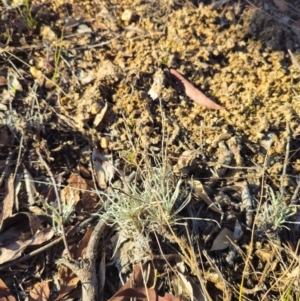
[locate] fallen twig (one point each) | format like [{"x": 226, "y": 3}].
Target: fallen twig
[
  {"x": 286, "y": 159},
  {"x": 45, "y": 247},
  {"x": 85, "y": 269}
]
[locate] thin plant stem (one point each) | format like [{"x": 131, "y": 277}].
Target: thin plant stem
[
  {"x": 286, "y": 159},
  {"x": 250, "y": 249},
  {"x": 58, "y": 202}
]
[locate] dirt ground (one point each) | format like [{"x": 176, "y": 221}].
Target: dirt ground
[{"x": 90, "y": 107}]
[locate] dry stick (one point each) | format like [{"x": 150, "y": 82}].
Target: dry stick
[
  {"x": 253, "y": 226},
  {"x": 96, "y": 45},
  {"x": 294, "y": 199},
  {"x": 58, "y": 202},
  {"x": 286, "y": 159},
  {"x": 294, "y": 59},
  {"x": 7, "y": 167},
  {"x": 86, "y": 269},
  {"x": 256, "y": 8},
  {"x": 45, "y": 247}
]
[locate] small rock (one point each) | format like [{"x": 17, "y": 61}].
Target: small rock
[{"x": 128, "y": 15}]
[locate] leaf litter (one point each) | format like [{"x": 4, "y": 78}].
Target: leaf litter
[{"x": 85, "y": 88}]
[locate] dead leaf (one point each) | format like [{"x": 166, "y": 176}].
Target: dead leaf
[
  {"x": 200, "y": 191},
  {"x": 15, "y": 249},
  {"x": 223, "y": 240},
  {"x": 135, "y": 286},
  {"x": 33, "y": 221},
  {"x": 282, "y": 5},
  {"x": 194, "y": 93},
  {"x": 79, "y": 189},
  {"x": 142, "y": 293},
  {"x": 5, "y": 293},
  {"x": 3, "y": 81},
  {"x": 184, "y": 285},
  {"x": 4, "y": 136},
  {"x": 79, "y": 249},
  {"x": 17, "y": 226},
  {"x": 197, "y": 290},
  {"x": 67, "y": 280},
  {"x": 100, "y": 115},
  {"x": 8, "y": 201},
  {"x": 104, "y": 168},
  {"x": 15, "y": 83},
  {"x": 40, "y": 291}
]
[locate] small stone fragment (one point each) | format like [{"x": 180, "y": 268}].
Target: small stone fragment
[{"x": 128, "y": 15}]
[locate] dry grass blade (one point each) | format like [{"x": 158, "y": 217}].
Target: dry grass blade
[{"x": 192, "y": 92}]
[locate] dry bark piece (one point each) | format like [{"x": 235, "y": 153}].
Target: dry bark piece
[
  {"x": 8, "y": 201},
  {"x": 30, "y": 186},
  {"x": 68, "y": 280},
  {"x": 104, "y": 168},
  {"x": 247, "y": 204},
  {"x": 193, "y": 93},
  {"x": 235, "y": 146},
  {"x": 187, "y": 162},
  {"x": 224, "y": 158}
]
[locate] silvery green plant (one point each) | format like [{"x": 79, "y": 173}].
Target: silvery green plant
[
  {"x": 149, "y": 202},
  {"x": 275, "y": 212}
]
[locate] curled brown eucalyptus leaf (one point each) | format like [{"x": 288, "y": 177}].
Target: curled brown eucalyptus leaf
[{"x": 193, "y": 93}]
